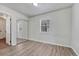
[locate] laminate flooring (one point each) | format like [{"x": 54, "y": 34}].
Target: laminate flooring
[{"x": 33, "y": 48}]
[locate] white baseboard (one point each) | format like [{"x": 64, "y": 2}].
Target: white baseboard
[
  {"x": 50, "y": 43},
  {"x": 22, "y": 38},
  {"x": 75, "y": 51}
]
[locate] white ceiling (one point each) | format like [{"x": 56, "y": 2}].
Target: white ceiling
[{"x": 30, "y": 10}]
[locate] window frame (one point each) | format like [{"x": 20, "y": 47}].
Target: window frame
[{"x": 44, "y": 25}]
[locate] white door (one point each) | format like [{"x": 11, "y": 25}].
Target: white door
[
  {"x": 8, "y": 30},
  {"x": 22, "y": 29}
]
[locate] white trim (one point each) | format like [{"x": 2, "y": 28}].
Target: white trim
[
  {"x": 22, "y": 38},
  {"x": 43, "y": 25},
  {"x": 75, "y": 51},
  {"x": 50, "y": 43}
]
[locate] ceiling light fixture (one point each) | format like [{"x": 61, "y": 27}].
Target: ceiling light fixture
[{"x": 35, "y": 4}]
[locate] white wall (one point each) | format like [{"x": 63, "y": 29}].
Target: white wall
[
  {"x": 75, "y": 28},
  {"x": 14, "y": 16},
  {"x": 60, "y": 28}
]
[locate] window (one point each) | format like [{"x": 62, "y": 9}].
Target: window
[{"x": 44, "y": 25}]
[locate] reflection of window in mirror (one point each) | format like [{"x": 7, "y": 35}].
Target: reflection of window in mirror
[{"x": 44, "y": 25}]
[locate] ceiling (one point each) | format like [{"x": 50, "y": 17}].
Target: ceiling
[{"x": 29, "y": 9}]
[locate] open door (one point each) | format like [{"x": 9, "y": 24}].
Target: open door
[{"x": 8, "y": 31}]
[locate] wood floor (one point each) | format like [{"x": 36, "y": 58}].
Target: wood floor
[
  {"x": 32, "y": 48},
  {"x": 3, "y": 43}
]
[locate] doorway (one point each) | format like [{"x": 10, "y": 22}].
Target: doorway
[
  {"x": 2, "y": 33},
  {"x": 21, "y": 26}
]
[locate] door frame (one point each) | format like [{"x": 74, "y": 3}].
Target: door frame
[
  {"x": 27, "y": 26},
  {"x": 8, "y": 31}
]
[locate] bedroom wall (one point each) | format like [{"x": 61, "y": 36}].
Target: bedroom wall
[{"x": 59, "y": 31}]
